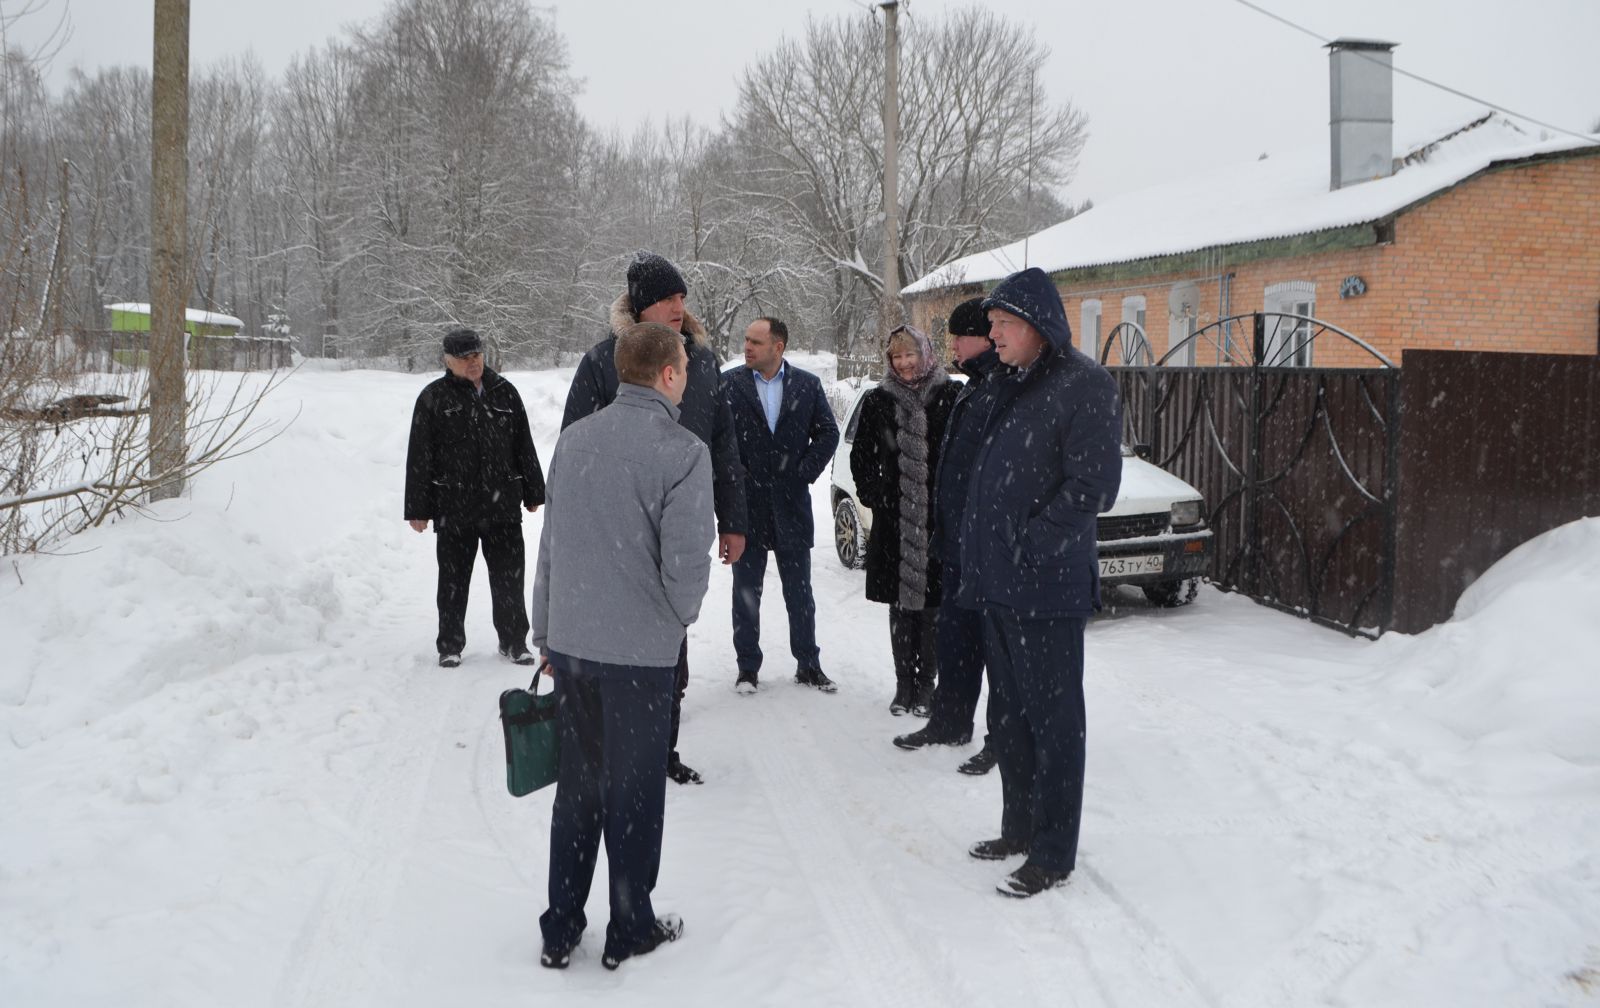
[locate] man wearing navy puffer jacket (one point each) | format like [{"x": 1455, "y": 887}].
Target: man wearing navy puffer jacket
[{"x": 1049, "y": 461}]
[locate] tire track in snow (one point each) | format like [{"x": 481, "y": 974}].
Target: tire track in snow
[
  {"x": 330, "y": 961},
  {"x": 1094, "y": 919},
  {"x": 864, "y": 929}
]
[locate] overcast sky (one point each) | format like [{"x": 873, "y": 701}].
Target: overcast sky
[{"x": 1165, "y": 83}]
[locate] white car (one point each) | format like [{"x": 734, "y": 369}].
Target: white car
[{"x": 1154, "y": 537}]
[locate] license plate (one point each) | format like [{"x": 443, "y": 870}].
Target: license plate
[{"x": 1126, "y": 566}]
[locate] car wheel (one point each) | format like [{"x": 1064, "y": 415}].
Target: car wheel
[
  {"x": 1171, "y": 594},
  {"x": 848, "y": 541}
]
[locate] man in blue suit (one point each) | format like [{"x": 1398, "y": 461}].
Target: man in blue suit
[
  {"x": 787, "y": 435},
  {"x": 1049, "y": 459}
]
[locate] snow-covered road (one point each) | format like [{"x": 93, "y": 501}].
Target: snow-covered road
[{"x": 234, "y": 776}]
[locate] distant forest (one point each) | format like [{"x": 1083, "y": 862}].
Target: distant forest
[{"x": 430, "y": 168}]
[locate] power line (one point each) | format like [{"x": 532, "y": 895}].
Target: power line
[{"x": 1424, "y": 80}]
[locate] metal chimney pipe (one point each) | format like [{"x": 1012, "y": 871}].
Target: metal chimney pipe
[{"x": 1361, "y": 110}]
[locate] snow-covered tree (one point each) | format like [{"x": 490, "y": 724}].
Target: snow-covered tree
[{"x": 981, "y": 145}]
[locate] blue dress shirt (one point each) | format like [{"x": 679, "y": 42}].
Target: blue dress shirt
[{"x": 771, "y": 395}]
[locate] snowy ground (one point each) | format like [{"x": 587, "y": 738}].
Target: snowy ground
[{"x": 234, "y": 776}]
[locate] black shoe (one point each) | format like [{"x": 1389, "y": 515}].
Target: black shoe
[
  {"x": 901, "y": 703},
  {"x": 518, "y": 654},
  {"x": 996, "y": 850},
  {"x": 980, "y": 763},
  {"x": 921, "y": 698},
  {"x": 1031, "y": 880},
  {"x": 449, "y": 661},
  {"x": 557, "y": 956},
  {"x": 814, "y": 677},
  {"x": 746, "y": 684},
  {"x": 927, "y": 736},
  {"x": 680, "y": 774},
  {"x": 669, "y": 928}
]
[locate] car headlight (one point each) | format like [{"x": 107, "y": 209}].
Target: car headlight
[{"x": 1186, "y": 513}]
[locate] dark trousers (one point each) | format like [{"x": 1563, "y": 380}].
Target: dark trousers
[
  {"x": 960, "y": 637},
  {"x": 1036, "y": 725},
  {"x": 914, "y": 643},
  {"x": 680, "y": 684},
  {"x": 457, "y": 549},
  {"x": 614, "y": 721},
  {"x": 794, "y": 570}
]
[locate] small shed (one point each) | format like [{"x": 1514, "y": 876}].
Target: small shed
[
  {"x": 133, "y": 316},
  {"x": 213, "y": 341}
]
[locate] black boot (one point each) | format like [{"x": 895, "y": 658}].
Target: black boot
[
  {"x": 929, "y": 736},
  {"x": 921, "y": 698},
  {"x": 901, "y": 703},
  {"x": 1031, "y": 880},
  {"x": 557, "y": 956},
  {"x": 680, "y": 774},
  {"x": 980, "y": 763},
  {"x": 669, "y": 928}
]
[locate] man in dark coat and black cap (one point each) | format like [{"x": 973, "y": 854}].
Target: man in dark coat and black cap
[
  {"x": 470, "y": 469},
  {"x": 960, "y": 630},
  {"x": 656, "y": 293},
  {"x": 1049, "y": 460}
]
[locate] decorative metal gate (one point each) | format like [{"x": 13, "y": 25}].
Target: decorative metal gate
[{"x": 1299, "y": 466}]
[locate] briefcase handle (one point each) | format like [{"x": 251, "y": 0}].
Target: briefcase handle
[{"x": 533, "y": 687}]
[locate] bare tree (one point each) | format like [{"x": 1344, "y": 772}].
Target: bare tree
[
  {"x": 976, "y": 133},
  {"x": 313, "y": 127},
  {"x": 105, "y": 135}
]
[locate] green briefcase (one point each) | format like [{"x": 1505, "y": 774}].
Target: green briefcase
[{"x": 533, "y": 743}]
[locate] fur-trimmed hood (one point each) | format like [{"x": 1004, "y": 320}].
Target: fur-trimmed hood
[{"x": 623, "y": 315}]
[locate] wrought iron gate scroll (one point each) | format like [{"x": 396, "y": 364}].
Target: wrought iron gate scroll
[{"x": 1299, "y": 466}]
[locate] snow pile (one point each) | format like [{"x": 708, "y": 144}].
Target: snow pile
[
  {"x": 1516, "y": 672},
  {"x": 234, "y": 776}
]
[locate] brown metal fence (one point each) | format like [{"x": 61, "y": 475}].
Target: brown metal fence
[
  {"x": 1495, "y": 449},
  {"x": 1297, "y": 470},
  {"x": 1369, "y": 499}
]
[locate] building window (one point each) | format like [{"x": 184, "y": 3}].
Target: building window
[
  {"x": 1133, "y": 310},
  {"x": 1288, "y": 341},
  {"x": 1089, "y": 329}
]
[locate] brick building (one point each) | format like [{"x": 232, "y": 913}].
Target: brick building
[{"x": 1482, "y": 237}]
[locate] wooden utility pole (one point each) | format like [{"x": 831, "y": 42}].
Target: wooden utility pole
[
  {"x": 889, "y": 307},
  {"x": 169, "y": 226}
]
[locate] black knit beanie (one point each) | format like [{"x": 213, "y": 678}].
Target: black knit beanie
[
  {"x": 969, "y": 319},
  {"x": 651, "y": 279}
]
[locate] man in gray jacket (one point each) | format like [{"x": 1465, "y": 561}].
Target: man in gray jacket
[{"x": 627, "y": 539}]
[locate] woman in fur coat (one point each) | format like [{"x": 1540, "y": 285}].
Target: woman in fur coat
[{"x": 893, "y": 461}]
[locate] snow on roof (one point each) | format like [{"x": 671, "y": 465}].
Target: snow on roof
[
  {"x": 1276, "y": 197},
  {"x": 194, "y": 315}
]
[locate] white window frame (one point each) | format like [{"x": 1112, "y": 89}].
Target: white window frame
[
  {"x": 1089, "y": 327},
  {"x": 1134, "y": 310},
  {"x": 1292, "y": 297}
]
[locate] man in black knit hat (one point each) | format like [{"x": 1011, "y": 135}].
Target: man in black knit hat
[
  {"x": 656, "y": 293},
  {"x": 469, "y": 466}
]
